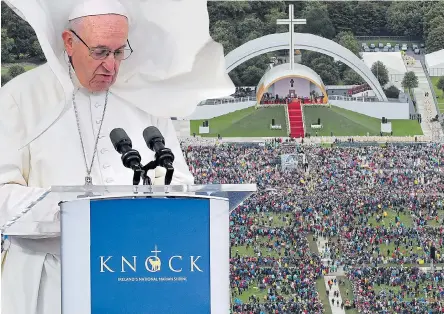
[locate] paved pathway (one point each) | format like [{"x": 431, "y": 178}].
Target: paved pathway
[
  {"x": 322, "y": 243},
  {"x": 326, "y": 260},
  {"x": 337, "y": 301},
  {"x": 425, "y": 104}
]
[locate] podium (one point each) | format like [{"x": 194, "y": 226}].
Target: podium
[{"x": 139, "y": 249}]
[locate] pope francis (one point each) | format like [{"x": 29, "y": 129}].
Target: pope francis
[{"x": 110, "y": 64}]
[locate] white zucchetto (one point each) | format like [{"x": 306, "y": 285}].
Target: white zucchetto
[{"x": 97, "y": 7}]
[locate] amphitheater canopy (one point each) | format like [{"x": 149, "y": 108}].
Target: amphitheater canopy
[{"x": 283, "y": 71}]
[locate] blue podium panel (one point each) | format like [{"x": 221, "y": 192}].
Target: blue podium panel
[{"x": 146, "y": 255}]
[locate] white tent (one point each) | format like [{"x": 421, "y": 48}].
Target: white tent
[
  {"x": 393, "y": 62},
  {"x": 435, "y": 63}
]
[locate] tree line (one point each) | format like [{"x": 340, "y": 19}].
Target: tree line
[{"x": 233, "y": 23}]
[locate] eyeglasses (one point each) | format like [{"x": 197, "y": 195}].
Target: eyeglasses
[{"x": 101, "y": 53}]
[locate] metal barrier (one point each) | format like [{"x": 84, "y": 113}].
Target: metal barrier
[
  {"x": 361, "y": 99},
  {"x": 355, "y": 144},
  {"x": 210, "y": 102},
  {"x": 389, "y": 38}
]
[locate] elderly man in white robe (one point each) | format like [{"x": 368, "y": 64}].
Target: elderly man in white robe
[{"x": 55, "y": 123}]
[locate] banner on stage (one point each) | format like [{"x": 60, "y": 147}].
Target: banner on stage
[{"x": 289, "y": 161}]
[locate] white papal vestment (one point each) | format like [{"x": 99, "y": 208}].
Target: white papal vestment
[{"x": 31, "y": 270}]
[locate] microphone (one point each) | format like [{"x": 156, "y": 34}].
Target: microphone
[
  {"x": 123, "y": 145},
  {"x": 164, "y": 156}
]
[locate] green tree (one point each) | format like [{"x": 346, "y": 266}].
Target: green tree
[
  {"x": 318, "y": 21},
  {"x": 234, "y": 76},
  {"x": 380, "y": 71},
  {"x": 227, "y": 10},
  {"x": 327, "y": 69},
  {"x": 342, "y": 15},
  {"x": 251, "y": 28},
  {"x": 435, "y": 39},
  {"x": 5, "y": 79},
  {"x": 392, "y": 92},
  {"x": 410, "y": 80},
  {"x": 7, "y": 46},
  {"x": 16, "y": 70},
  {"x": 252, "y": 75},
  {"x": 308, "y": 57},
  {"x": 350, "y": 77},
  {"x": 348, "y": 40},
  {"x": 370, "y": 18},
  {"x": 274, "y": 14},
  {"x": 20, "y": 30},
  {"x": 437, "y": 22},
  {"x": 434, "y": 10},
  {"x": 405, "y": 18},
  {"x": 224, "y": 33},
  {"x": 440, "y": 84},
  {"x": 256, "y": 67},
  {"x": 37, "y": 52}
]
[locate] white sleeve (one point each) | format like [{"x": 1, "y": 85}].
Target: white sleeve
[
  {"x": 182, "y": 174},
  {"x": 14, "y": 163}
]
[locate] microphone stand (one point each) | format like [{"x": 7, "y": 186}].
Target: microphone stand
[
  {"x": 141, "y": 173},
  {"x": 164, "y": 158},
  {"x": 153, "y": 165}
]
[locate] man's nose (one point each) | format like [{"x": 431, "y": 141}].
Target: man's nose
[{"x": 109, "y": 63}]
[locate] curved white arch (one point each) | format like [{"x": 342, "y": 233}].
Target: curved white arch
[{"x": 303, "y": 41}]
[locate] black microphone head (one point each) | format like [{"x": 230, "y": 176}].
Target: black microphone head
[
  {"x": 119, "y": 138},
  {"x": 151, "y": 135}
]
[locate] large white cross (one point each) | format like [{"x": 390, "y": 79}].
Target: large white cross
[{"x": 291, "y": 22}]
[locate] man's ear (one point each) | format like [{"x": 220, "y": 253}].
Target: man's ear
[{"x": 68, "y": 41}]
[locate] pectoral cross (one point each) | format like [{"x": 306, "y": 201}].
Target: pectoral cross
[{"x": 88, "y": 180}]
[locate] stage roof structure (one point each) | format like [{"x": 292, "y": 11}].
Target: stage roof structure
[{"x": 283, "y": 71}]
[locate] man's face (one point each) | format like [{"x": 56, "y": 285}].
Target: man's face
[{"x": 101, "y": 31}]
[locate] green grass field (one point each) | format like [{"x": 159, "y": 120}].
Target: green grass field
[
  {"x": 249, "y": 122},
  {"x": 434, "y": 223},
  {"x": 252, "y": 122},
  {"x": 344, "y": 122},
  {"x": 404, "y": 218},
  {"x": 26, "y": 66},
  {"x": 322, "y": 290},
  {"x": 439, "y": 93},
  {"x": 343, "y": 289},
  {"x": 397, "y": 290},
  {"x": 253, "y": 291},
  {"x": 276, "y": 222}
]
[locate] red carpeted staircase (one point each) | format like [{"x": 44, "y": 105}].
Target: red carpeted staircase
[{"x": 295, "y": 117}]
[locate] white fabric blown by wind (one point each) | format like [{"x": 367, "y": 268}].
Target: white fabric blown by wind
[{"x": 174, "y": 66}]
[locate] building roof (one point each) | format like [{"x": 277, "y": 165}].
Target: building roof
[
  {"x": 435, "y": 59},
  {"x": 392, "y": 60},
  {"x": 282, "y": 71}
]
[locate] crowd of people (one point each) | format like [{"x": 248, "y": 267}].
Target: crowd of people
[
  {"x": 398, "y": 289},
  {"x": 269, "y": 98},
  {"x": 378, "y": 206}
]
